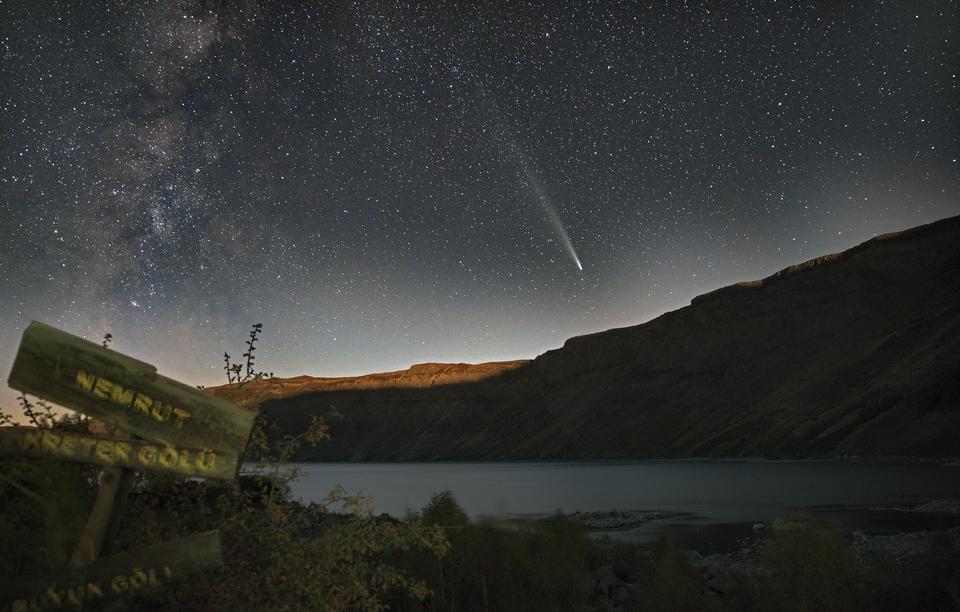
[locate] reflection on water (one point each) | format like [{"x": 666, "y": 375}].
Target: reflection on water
[{"x": 714, "y": 491}]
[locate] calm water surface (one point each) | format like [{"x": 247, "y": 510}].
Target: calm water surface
[{"x": 712, "y": 491}]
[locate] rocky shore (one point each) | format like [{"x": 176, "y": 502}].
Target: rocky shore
[
  {"x": 724, "y": 576},
  {"x": 619, "y": 519}
]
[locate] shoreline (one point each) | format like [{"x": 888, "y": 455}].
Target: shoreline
[{"x": 697, "y": 533}]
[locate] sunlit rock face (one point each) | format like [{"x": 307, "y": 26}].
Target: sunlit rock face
[
  {"x": 856, "y": 353},
  {"x": 418, "y": 376}
]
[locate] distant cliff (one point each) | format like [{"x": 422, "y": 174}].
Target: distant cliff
[{"x": 856, "y": 353}]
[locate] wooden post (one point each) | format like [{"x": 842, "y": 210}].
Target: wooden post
[
  {"x": 104, "y": 520},
  {"x": 172, "y": 428},
  {"x": 91, "y": 541},
  {"x": 115, "y": 577},
  {"x": 126, "y": 393},
  {"x": 121, "y": 501}
]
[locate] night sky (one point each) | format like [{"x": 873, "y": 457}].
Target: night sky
[{"x": 382, "y": 184}]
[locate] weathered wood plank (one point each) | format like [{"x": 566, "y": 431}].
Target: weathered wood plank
[
  {"x": 115, "y": 576},
  {"x": 125, "y": 392},
  {"x": 94, "y": 532},
  {"x": 135, "y": 454}
]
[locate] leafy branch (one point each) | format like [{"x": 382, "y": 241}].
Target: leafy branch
[
  {"x": 244, "y": 372},
  {"x": 40, "y": 414},
  {"x": 269, "y": 447}
]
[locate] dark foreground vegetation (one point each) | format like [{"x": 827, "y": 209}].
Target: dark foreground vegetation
[
  {"x": 338, "y": 555},
  {"x": 800, "y": 564},
  {"x": 283, "y": 555}
]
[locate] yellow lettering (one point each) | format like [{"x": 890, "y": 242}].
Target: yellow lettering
[
  {"x": 102, "y": 388},
  {"x": 206, "y": 460},
  {"x": 55, "y": 597},
  {"x": 180, "y": 414},
  {"x": 85, "y": 381},
  {"x": 138, "y": 579},
  {"x": 30, "y": 439},
  {"x": 87, "y": 444},
  {"x": 168, "y": 457},
  {"x": 69, "y": 445},
  {"x": 119, "y": 584},
  {"x": 50, "y": 442},
  {"x": 147, "y": 455},
  {"x": 104, "y": 450},
  {"x": 121, "y": 450},
  {"x": 119, "y": 395},
  {"x": 94, "y": 590},
  {"x": 142, "y": 403},
  {"x": 184, "y": 460},
  {"x": 160, "y": 411},
  {"x": 73, "y": 596}
]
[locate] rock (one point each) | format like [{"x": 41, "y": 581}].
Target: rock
[
  {"x": 607, "y": 585},
  {"x": 715, "y": 584},
  {"x": 618, "y": 519},
  {"x": 940, "y": 506},
  {"x": 723, "y": 573},
  {"x": 619, "y": 593},
  {"x": 953, "y": 534},
  {"x": 759, "y": 526},
  {"x": 781, "y": 524},
  {"x": 902, "y": 548},
  {"x": 605, "y": 571},
  {"x": 587, "y": 584}
]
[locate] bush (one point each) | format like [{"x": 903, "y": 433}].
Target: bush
[
  {"x": 812, "y": 566},
  {"x": 535, "y": 567},
  {"x": 444, "y": 511},
  {"x": 674, "y": 583}
]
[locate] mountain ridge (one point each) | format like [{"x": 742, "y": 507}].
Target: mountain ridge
[{"x": 853, "y": 353}]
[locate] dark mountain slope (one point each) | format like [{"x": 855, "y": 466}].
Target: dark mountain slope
[{"x": 856, "y": 353}]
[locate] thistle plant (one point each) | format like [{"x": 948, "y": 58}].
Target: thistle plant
[{"x": 244, "y": 372}]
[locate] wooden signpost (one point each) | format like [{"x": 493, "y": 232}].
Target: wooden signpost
[
  {"x": 133, "y": 454},
  {"x": 175, "y": 429},
  {"x": 125, "y": 393},
  {"x": 115, "y": 576}
]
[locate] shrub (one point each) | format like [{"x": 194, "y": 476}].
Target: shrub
[
  {"x": 674, "y": 583},
  {"x": 812, "y": 566}
]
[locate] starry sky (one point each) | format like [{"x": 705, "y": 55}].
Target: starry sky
[{"x": 387, "y": 183}]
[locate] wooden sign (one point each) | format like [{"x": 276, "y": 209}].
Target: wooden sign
[
  {"x": 123, "y": 574},
  {"x": 127, "y": 394},
  {"x": 134, "y": 454}
]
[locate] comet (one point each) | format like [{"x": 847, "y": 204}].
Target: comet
[{"x": 543, "y": 198}]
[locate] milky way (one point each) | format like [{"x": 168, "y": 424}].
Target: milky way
[{"x": 172, "y": 172}]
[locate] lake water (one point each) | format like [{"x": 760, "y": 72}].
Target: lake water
[{"x": 710, "y": 491}]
